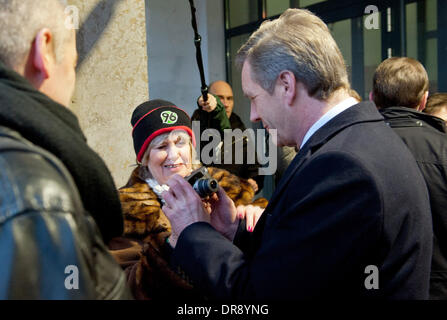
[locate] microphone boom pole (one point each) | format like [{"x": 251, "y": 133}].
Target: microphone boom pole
[{"x": 197, "y": 42}]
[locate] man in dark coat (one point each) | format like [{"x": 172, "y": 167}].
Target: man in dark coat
[
  {"x": 58, "y": 202},
  {"x": 345, "y": 221},
  {"x": 400, "y": 91}
]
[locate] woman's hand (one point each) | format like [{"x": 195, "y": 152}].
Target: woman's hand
[
  {"x": 253, "y": 184},
  {"x": 251, "y": 214}
]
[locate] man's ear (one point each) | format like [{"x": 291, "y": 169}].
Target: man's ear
[
  {"x": 287, "y": 83},
  {"x": 371, "y": 96},
  {"x": 423, "y": 102},
  {"x": 42, "y": 53}
]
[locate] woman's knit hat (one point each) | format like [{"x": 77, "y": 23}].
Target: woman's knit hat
[{"x": 155, "y": 117}]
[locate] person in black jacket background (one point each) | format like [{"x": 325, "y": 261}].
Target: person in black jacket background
[{"x": 400, "y": 91}]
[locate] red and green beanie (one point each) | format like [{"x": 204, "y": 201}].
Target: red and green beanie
[{"x": 155, "y": 117}]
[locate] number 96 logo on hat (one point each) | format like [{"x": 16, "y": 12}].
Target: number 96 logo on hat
[{"x": 169, "y": 117}]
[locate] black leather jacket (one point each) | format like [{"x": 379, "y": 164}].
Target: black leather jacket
[{"x": 50, "y": 247}]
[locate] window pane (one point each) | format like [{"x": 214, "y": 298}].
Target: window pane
[
  {"x": 241, "y": 103},
  {"x": 341, "y": 31},
  {"x": 431, "y": 15},
  {"x": 372, "y": 48},
  {"x": 431, "y": 63},
  {"x": 275, "y": 7},
  {"x": 305, "y": 3},
  {"x": 422, "y": 43},
  {"x": 412, "y": 30},
  {"x": 242, "y": 12}
]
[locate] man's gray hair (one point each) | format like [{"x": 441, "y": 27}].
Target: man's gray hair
[
  {"x": 21, "y": 20},
  {"x": 300, "y": 42}
]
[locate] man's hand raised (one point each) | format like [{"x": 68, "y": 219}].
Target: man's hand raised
[{"x": 209, "y": 105}]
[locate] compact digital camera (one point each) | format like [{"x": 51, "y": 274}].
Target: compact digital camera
[{"x": 202, "y": 182}]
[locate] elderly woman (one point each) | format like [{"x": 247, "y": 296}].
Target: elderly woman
[{"x": 164, "y": 145}]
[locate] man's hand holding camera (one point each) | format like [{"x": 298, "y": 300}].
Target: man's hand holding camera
[
  {"x": 184, "y": 207},
  {"x": 223, "y": 215}
]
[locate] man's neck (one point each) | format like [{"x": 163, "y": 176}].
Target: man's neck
[
  {"x": 315, "y": 109},
  {"x": 338, "y": 97}
]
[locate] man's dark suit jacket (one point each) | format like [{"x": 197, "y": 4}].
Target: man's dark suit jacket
[{"x": 353, "y": 197}]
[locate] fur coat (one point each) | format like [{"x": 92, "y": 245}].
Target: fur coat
[{"x": 143, "y": 252}]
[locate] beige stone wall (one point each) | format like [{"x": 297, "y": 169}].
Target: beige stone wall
[{"x": 112, "y": 79}]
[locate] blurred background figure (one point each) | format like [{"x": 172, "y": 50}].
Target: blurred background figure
[{"x": 437, "y": 105}]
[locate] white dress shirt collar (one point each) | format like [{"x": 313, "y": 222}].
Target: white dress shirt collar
[{"x": 333, "y": 112}]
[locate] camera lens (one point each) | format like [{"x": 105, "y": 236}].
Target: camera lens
[
  {"x": 205, "y": 187},
  {"x": 213, "y": 185}
]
